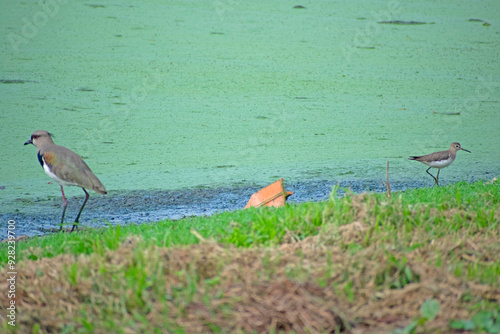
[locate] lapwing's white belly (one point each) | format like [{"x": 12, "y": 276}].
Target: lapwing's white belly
[
  {"x": 55, "y": 178},
  {"x": 440, "y": 163}
]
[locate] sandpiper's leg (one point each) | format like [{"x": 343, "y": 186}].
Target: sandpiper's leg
[
  {"x": 75, "y": 226},
  {"x": 437, "y": 179},
  {"x": 65, "y": 203},
  {"x": 432, "y": 175}
]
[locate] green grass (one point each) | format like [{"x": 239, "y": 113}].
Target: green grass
[
  {"x": 455, "y": 228},
  {"x": 427, "y": 208},
  {"x": 486, "y": 321}
]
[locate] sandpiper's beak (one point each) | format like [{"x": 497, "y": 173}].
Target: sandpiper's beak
[
  {"x": 463, "y": 149},
  {"x": 29, "y": 142}
]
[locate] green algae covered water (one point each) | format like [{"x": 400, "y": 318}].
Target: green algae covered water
[{"x": 166, "y": 95}]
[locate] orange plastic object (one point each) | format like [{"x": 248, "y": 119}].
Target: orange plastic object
[{"x": 272, "y": 195}]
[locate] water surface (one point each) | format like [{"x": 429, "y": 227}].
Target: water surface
[{"x": 164, "y": 96}]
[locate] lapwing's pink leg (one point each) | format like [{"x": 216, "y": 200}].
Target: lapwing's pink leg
[
  {"x": 75, "y": 226},
  {"x": 65, "y": 203}
]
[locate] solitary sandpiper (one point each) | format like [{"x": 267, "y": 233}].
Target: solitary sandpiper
[
  {"x": 440, "y": 159},
  {"x": 66, "y": 168}
]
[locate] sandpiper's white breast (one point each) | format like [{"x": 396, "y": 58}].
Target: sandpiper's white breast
[{"x": 440, "y": 163}]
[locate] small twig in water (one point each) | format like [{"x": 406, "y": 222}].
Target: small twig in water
[{"x": 388, "y": 183}]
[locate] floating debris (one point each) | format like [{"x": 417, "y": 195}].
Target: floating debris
[
  {"x": 299, "y": 7},
  {"x": 272, "y": 195}
]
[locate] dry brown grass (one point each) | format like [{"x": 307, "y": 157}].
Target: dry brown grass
[{"x": 299, "y": 286}]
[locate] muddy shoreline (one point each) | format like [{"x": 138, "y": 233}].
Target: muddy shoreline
[{"x": 36, "y": 216}]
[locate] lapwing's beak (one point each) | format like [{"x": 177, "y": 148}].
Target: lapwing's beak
[
  {"x": 29, "y": 142},
  {"x": 463, "y": 149}
]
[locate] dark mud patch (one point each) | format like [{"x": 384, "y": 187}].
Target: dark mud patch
[
  {"x": 39, "y": 215},
  {"x": 399, "y": 22},
  {"x": 13, "y": 81},
  {"x": 486, "y": 24}
]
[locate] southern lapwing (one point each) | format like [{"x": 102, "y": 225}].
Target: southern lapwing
[
  {"x": 439, "y": 159},
  {"x": 66, "y": 168}
]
